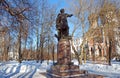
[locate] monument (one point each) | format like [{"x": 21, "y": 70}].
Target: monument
[
  {"x": 63, "y": 55},
  {"x": 64, "y": 68},
  {"x": 62, "y": 25}
]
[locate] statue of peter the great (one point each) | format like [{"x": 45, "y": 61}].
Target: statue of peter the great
[{"x": 62, "y": 24}]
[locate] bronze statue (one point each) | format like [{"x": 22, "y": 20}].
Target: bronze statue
[{"x": 62, "y": 24}]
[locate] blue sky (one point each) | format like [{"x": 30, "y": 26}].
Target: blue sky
[{"x": 60, "y": 3}]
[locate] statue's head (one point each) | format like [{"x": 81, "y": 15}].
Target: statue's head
[{"x": 62, "y": 10}]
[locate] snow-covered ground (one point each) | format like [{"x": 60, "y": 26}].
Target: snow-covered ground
[
  {"x": 31, "y": 69},
  {"x": 27, "y": 69},
  {"x": 108, "y": 71}
]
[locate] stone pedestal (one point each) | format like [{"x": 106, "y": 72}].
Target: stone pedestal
[
  {"x": 63, "y": 53},
  {"x": 64, "y": 68}
]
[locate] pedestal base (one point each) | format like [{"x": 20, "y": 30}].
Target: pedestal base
[
  {"x": 69, "y": 71},
  {"x": 65, "y": 71}
]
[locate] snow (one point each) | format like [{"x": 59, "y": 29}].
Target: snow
[
  {"x": 31, "y": 69},
  {"x": 110, "y": 71}
]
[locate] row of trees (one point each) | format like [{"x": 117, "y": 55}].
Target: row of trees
[{"x": 30, "y": 25}]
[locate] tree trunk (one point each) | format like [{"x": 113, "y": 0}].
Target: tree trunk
[
  {"x": 76, "y": 54},
  {"x": 84, "y": 55},
  {"x": 48, "y": 53},
  {"x": 110, "y": 49},
  {"x": 37, "y": 51},
  {"x": 41, "y": 51},
  {"x": 19, "y": 44},
  {"x": 53, "y": 54}
]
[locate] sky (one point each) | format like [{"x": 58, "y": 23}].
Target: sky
[{"x": 60, "y": 3}]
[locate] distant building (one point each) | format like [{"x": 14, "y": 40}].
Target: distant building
[
  {"x": 100, "y": 37},
  {"x": 13, "y": 55}
]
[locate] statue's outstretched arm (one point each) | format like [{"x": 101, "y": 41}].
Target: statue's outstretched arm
[{"x": 69, "y": 15}]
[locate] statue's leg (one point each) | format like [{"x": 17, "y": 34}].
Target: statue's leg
[
  {"x": 67, "y": 31},
  {"x": 59, "y": 34},
  {"x": 62, "y": 33}
]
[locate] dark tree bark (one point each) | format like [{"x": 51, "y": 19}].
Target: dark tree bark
[
  {"x": 109, "y": 53},
  {"x": 53, "y": 53}
]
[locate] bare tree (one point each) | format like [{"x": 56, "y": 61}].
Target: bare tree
[
  {"x": 80, "y": 9},
  {"x": 18, "y": 12},
  {"x": 109, "y": 20},
  {"x": 43, "y": 28}
]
